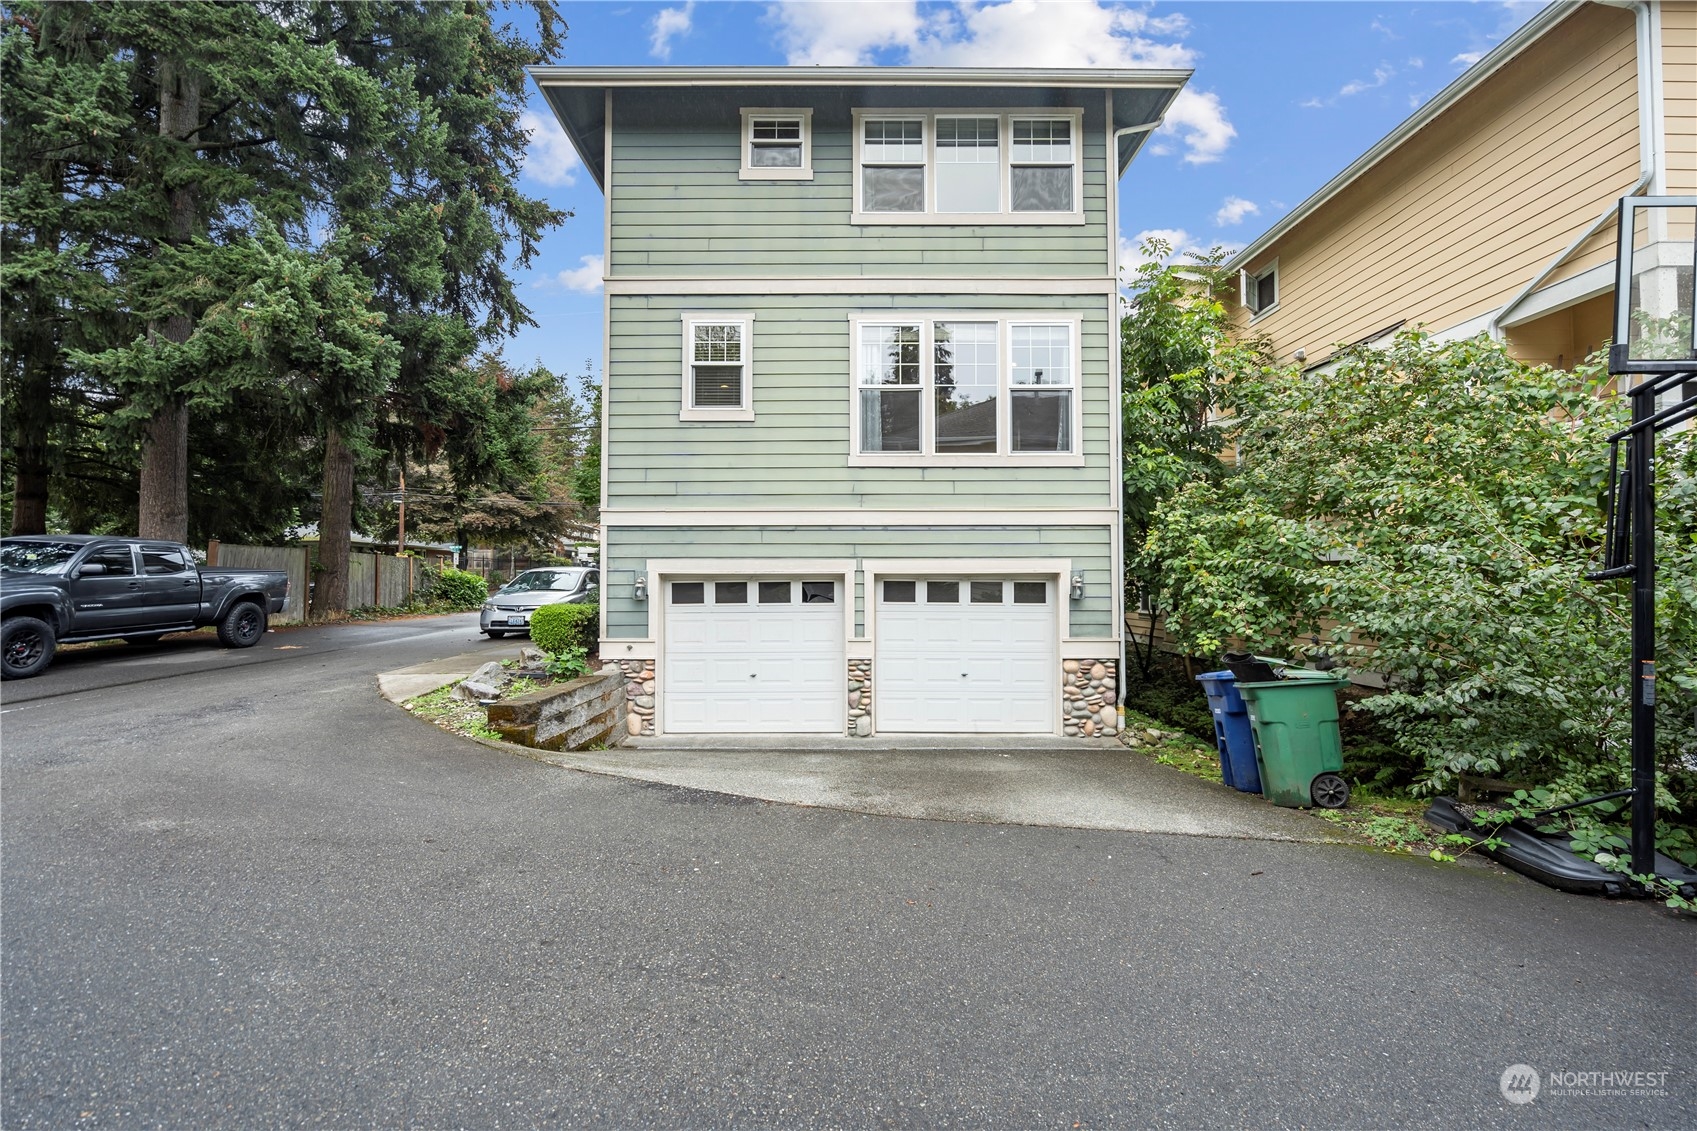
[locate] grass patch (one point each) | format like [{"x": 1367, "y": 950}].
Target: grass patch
[
  {"x": 1387, "y": 822},
  {"x": 470, "y": 719}
]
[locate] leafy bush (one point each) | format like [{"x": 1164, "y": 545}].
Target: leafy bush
[
  {"x": 456, "y": 588},
  {"x": 1429, "y": 511},
  {"x": 557, "y": 629}
]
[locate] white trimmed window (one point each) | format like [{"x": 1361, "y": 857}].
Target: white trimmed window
[
  {"x": 965, "y": 389},
  {"x": 980, "y": 167},
  {"x": 1261, "y": 289},
  {"x": 777, "y": 145},
  {"x": 718, "y": 377}
]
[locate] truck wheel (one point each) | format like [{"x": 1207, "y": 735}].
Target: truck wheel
[
  {"x": 26, "y": 647},
  {"x": 242, "y": 626}
]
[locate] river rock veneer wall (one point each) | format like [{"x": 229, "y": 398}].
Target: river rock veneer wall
[
  {"x": 639, "y": 691},
  {"x": 1089, "y": 703}
]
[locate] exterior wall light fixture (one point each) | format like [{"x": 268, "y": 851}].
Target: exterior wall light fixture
[
  {"x": 1078, "y": 587},
  {"x": 641, "y": 591}
]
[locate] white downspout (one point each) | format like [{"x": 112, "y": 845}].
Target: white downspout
[
  {"x": 1117, "y": 500},
  {"x": 1652, "y": 160}
]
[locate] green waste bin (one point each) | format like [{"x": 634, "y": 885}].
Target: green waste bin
[{"x": 1297, "y": 745}]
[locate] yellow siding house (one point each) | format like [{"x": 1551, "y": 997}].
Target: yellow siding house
[{"x": 1491, "y": 209}]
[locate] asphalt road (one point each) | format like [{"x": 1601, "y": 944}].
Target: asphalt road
[{"x": 239, "y": 889}]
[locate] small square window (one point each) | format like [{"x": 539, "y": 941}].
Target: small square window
[
  {"x": 1030, "y": 593},
  {"x": 900, "y": 592},
  {"x": 986, "y": 593},
  {"x": 775, "y": 592},
  {"x": 689, "y": 592},
  {"x": 1261, "y": 290},
  {"x": 730, "y": 593},
  {"x": 818, "y": 592},
  {"x": 777, "y": 145},
  {"x": 942, "y": 592}
]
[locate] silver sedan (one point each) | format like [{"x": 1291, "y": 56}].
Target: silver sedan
[{"x": 509, "y": 607}]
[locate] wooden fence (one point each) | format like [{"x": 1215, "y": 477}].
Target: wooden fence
[{"x": 373, "y": 579}]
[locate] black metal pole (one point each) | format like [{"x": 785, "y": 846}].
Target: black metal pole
[{"x": 1641, "y": 467}]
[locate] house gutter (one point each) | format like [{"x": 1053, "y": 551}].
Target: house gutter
[
  {"x": 1118, "y": 500},
  {"x": 1652, "y": 160}
]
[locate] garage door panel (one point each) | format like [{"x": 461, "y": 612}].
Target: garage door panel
[
  {"x": 965, "y": 667},
  {"x": 747, "y": 667}
]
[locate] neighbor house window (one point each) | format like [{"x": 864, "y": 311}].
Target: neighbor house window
[
  {"x": 990, "y": 167},
  {"x": 777, "y": 145},
  {"x": 965, "y": 389},
  {"x": 718, "y": 367},
  {"x": 1261, "y": 289}
]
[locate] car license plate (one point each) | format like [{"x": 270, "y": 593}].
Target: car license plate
[{"x": 515, "y": 620}]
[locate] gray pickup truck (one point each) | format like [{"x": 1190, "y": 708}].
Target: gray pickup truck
[{"x": 64, "y": 588}]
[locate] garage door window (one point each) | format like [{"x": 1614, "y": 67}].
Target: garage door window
[
  {"x": 818, "y": 592},
  {"x": 986, "y": 592},
  {"x": 775, "y": 592},
  {"x": 901, "y": 592},
  {"x": 689, "y": 592},
  {"x": 1030, "y": 593},
  {"x": 730, "y": 593}
]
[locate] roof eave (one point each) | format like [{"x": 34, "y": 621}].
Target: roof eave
[{"x": 857, "y": 76}]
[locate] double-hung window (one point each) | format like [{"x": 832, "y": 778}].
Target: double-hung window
[
  {"x": 718, "y": 370},
  {"x": 965, "y": 389},
  {"x": 978, "y": 167},
  {"x": 777, "y": 145}
]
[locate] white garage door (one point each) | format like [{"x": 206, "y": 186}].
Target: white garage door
[
  {"x": 965, "y": 655},
  {"x": 749, "y": 655}
]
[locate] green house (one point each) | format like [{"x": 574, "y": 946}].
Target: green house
[{"x": 861, "y": 453}]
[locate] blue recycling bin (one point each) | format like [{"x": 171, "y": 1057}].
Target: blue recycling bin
[{"x": 1232, "y": 733}]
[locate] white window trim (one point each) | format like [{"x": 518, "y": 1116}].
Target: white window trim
[
  {"x": 1003, "y": 456},
  {"x": 743, "y": 412},
  {"x": 1244, "y": 279},
  {"x": 1005, "y": 118},
  {"x": 764, "y": 173}
]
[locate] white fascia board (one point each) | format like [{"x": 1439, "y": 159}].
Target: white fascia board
[
  {"x": 644, "y": 285},
  {"x": 856, "y": 517},
  {"x": 1500, "y": 56},
  {"x": 1089, "y": 78}
]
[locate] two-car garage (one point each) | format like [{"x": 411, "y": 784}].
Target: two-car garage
[{"x": 951, "y": 654}]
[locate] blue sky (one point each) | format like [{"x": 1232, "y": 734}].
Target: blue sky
[{"x": 1284, "y": 96}]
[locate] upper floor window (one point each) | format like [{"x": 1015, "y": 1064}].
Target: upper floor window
[
  {"x": 965, "y": 389},
  {"x": 718, "y": 376},
  {"x": 1261, "y": 289},
  {"x": 985, "y": 167},
  {"x": 777, "y": 145}
]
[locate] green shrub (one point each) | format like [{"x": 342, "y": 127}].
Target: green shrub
[
  {"x": 559, "y": 628},
  {"x": 457, "y": 588}
]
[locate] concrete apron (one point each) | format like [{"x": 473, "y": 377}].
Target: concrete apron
[{"x": 985, "y": 779}]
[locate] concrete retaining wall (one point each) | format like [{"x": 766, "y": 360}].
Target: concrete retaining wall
[{"x": 569, "y": 716}]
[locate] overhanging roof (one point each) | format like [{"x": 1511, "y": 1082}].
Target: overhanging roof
[
  {"x": 578, "y": 94},
  {"x": 1490, "y": 64}
]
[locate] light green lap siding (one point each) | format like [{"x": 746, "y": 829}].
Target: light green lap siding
[
  {"x": 795, "y": 451},
  {"x": 677, "y": 207},
  {"x": 627, "y": 551}
]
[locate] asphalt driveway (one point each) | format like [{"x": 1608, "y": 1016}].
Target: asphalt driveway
[{"x": 256, "y": 893}]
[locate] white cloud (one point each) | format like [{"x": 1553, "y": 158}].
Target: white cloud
[
  {"x": 1028, "y": 33},
  {"x": 839, "y": 33},
  {"x": 1468, "y": 58},
  {"x": 1383, "y": 30},
  {"x": 1010, "y": 33},
  {"x": 1234, "y": 209},
  {"x": 1198, "y": 118},
  {"x": 669, "y": 24},
  {"x": 585, "y": 280},
  {"x": 1381, "y": 75},
  {"x": 1133, "y": 256},
  {"x": 550, "y": 158}
]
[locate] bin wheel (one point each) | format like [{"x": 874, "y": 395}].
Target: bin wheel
[{"x": 1329, "y": 791}]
